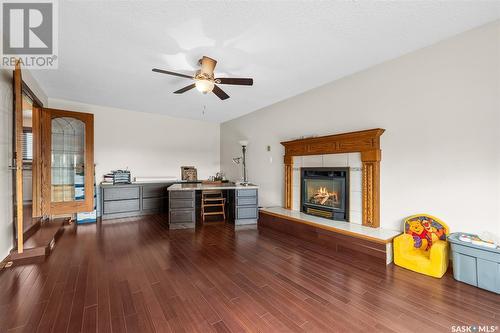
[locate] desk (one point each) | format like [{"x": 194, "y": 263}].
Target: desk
[{"x": 242, "y": 202}]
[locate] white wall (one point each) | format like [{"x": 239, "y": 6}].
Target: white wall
[
  {"x": 149, "y": 144},
  {"x": 6, "y": 118},
  {"x": 35, "y": 87},
  {"x": 440, "y": 107}
]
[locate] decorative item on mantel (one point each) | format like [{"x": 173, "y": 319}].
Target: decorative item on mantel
[
  {"x": 189, "y": 173},
  {"x": 303, "y": 137}
]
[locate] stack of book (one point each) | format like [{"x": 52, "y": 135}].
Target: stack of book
[{"x": 117, "y": 177}]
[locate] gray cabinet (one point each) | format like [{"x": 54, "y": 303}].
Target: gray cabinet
[
  {"x": 247, "y": 193},
  {"x": 152, "y": 204},
  {"x": 246, "y": 209},
  {"x": 121, "y": 206},
  {"x": 121, "y": 193},
  {"x": 126, "y": 200},
  {"x": 182, "y": 216},
  {"x": 154, "y": 190},
  {"x": 182, "y": 207},
  {"x": 246, "y": 201}
]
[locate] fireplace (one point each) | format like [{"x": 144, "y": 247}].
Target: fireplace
[{"x": 325, "y": 192}]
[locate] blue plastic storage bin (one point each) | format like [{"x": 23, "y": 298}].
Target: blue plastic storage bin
[{"x": 476, "y": 265}]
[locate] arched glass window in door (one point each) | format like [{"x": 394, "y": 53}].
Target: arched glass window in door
[{"x": 68, "y": 159}]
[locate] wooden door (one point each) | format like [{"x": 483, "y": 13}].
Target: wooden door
[{"x": 67, "y": 162}]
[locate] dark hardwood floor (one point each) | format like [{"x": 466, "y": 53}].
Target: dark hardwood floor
[{"x": 134, "y": 275}]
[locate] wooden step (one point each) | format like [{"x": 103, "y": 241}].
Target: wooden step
[{"x": 40, "y": 244}]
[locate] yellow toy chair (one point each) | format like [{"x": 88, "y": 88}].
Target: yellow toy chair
[{"x": 423, "y": 247}]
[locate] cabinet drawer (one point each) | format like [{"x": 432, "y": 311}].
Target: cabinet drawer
[
  {"x": 247, "y": 193},
  {"x": 246, "y": 213},
  {"x": 152, "y": 203},
  {"x": 121, "y": 206},
  {"x": 153, "y": 191},
  {"x": 246, "y": 201},
  {"x": 182, "y": 215},
  {"x": 181, "y": 194},
  {"x": 181, "y": 203},
  {"x": 120, "y": 193}
]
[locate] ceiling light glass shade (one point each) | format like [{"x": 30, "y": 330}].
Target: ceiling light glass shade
[
  {"x": 243, "y": 142},
  {"x": 204, "y": 86}
]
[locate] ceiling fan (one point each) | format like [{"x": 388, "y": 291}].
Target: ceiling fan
[{"x": 205, "y": 81}]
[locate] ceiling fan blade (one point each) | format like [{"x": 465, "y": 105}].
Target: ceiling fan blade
[
  {"x": 186, "y": 88},
  {"x": 171, "y": 73},
  {"x": 220, "y": 93},
  {"x": 235, "y": 81},
  {"x": 207, "y": 65}
]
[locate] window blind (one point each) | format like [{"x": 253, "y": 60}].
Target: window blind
[{"x": 27, "y": 146}]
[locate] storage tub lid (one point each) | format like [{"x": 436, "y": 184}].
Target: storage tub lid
[{"x": 454, "y": 239}]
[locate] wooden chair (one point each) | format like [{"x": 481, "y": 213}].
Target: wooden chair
[{"x": 212, "y": 200}]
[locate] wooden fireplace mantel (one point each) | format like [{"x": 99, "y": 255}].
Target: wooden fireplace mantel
[{"x": 365, "y": 142}]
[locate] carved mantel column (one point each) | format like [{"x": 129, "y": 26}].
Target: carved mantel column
[
  {"x": 371, "y": 187},
  {"x": 288, "y": 160}
]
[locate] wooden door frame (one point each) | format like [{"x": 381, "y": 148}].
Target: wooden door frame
[
  {"x": 20, "y": 88},
  {"x": 58, "y": 208},
  {"x": 18, "y": 153}
]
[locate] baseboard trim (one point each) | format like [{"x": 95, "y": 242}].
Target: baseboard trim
[{"x": 33, "y": 228}]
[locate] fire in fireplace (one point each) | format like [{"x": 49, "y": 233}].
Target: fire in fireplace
[
  {"x": 325, "y": 192},
  {"x": 323, "y": 196}
]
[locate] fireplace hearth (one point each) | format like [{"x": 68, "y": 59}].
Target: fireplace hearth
[{"x": 325, "y": 192}]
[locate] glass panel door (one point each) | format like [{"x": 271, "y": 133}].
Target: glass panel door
[
  {"x": 68, "y": 158},
  {"x": 70, "y": 168}
]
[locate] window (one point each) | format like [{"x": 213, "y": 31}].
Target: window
[{"x": 27, "y": 145}]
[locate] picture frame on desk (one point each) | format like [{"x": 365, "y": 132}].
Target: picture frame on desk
[{"x": 189, "y": 173}]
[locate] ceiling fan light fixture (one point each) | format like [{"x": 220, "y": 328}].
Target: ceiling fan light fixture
[
  {"x": 204, "y": 86},
  {"x": 205, "y": 81}
]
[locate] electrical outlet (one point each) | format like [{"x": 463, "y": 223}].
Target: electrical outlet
[{"x": 268, "y": 148}]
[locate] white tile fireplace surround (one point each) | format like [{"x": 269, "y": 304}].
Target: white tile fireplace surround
[{"x": 350, "y": 160}]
